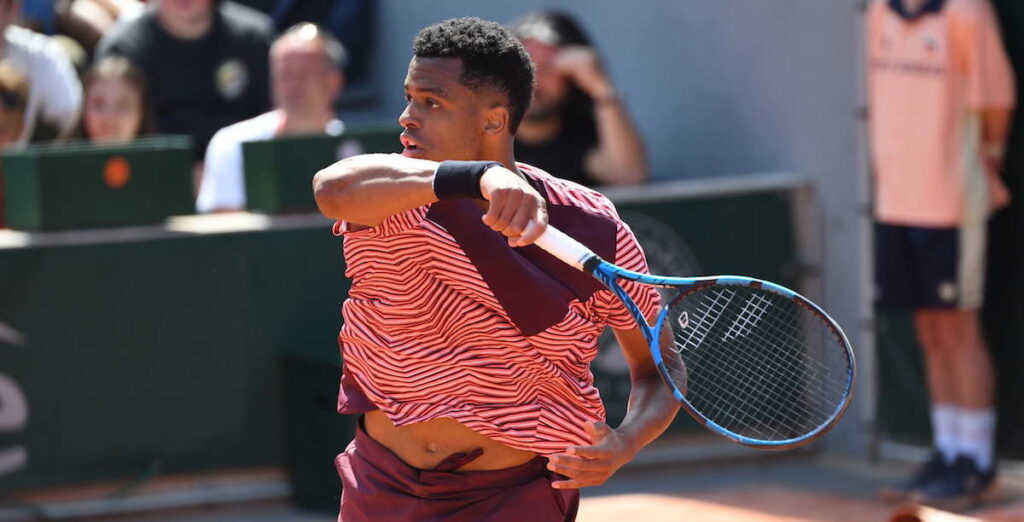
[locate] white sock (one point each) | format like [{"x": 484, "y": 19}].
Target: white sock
[
  {"x": 976, "y": 437},
  {"x": 945, "y": 430}
]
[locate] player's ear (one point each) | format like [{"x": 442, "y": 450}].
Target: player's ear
[{"x": 496, "y": 119}]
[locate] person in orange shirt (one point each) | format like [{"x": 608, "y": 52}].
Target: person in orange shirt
[{"x": 941, "y": 92}]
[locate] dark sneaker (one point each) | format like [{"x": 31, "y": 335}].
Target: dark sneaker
[
  {"x": 963, "y": 483},
  {"x": 932, "y": 470}
]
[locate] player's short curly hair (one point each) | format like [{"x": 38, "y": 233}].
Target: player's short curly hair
[{"x": 491, "y": 55}]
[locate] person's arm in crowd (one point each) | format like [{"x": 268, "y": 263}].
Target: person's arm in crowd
[
  {"x": 620, "y": 158},
  {"x": 365, "y": 190},
  {"x": 990, "y": 88},
  {"x": 995, "y": 131},
  {"x": 87, "y": 20},
  {"x": 222, "y": 185},
  {"x": 60, "y": 91},
  {"x": 118, "y": 41}
]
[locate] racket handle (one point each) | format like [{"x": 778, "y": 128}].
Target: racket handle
[{"x": 565, "y": 248}]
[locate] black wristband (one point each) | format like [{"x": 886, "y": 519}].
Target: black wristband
[{"x": 460, "y": 179}]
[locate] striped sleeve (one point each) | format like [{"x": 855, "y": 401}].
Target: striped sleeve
[
  {"x": 394, "y": 224},
  {"x": 628, "y": 255}
]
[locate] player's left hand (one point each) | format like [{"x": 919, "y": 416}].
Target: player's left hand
[{"x": 592, "y": 465}]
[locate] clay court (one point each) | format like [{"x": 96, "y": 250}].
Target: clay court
[{"x": 774, "y": 489}]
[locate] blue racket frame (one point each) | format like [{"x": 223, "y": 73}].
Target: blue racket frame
[{"x": 609, "y": 275}]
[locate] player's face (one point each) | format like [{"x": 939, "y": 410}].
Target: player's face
[
  {"x": 443, "y": 119},
  {"x": 113, "y": 111},
  {"x": 304, "y": 80},
  {"x": 551, "y": 85}
]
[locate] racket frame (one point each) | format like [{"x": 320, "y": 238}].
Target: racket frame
[{"x": 574, "y": 253}]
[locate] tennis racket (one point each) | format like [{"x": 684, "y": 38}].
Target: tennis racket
[{"x": 751, "y": 360}]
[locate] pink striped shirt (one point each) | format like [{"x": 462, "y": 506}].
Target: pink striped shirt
[{"x": 443, "y": 319}]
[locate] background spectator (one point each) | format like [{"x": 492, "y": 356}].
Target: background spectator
[
  {"x": 117, "y": 106},
  {"x": 350, "y": 21},
  {"x": 576, "y": 127},
  {"x": 56, "y": 95},
  {"x": 86, "y": 21},
  {"x": 40, "y": 15},
  {"x": 941, "y": 95},
  {"x": 14, "y": 92},
  {"x": 306, "y": 73},
  {"x": 204, "y": 61}
]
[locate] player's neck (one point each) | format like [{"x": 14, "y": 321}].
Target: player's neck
[{"x": 502, "y": 153}]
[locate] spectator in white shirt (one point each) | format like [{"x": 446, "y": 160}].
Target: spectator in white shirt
[
  {"x": 55, "y": 96},
  {"x": 306, "y": 79}
]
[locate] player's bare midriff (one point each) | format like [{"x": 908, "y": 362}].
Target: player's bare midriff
[{"x": 424, "y": 445}]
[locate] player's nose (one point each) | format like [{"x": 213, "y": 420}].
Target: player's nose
[{"x": 406, "y": 119}]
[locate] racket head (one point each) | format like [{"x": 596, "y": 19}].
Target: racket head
[
  {"x": 752, "y": 361},
  {"x": 757, "y": 363}
]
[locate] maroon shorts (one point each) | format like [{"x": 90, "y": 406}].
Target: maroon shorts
[{"x": 378, "y": 486}]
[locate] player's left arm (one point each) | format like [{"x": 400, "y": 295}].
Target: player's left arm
[{"x": 651, "y": 409}]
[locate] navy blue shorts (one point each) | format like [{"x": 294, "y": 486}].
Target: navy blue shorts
[{"x": 919, "y": 267}]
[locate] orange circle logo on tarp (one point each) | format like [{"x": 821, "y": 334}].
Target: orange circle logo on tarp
[{"x": 117, "y": 172}]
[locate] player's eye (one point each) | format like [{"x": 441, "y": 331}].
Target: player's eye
[{"x": 432, "y": 103}]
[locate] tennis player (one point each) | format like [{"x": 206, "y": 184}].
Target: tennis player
[{"x": 466, "y": 348}]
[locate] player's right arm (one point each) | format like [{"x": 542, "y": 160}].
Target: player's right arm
[{"x": 367, "y": 189}]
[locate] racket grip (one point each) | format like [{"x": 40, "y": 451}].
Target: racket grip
[{"x": 565, "y": 248}]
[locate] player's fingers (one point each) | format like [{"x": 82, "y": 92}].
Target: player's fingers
[
  {"x": 573, "y": 466},
  {"x": 588, "y": 452},
  {"x": 510, "y": 206},
  {"x": 566, "y": 484},
  {"x": 532, "y": 231},
  {"x": 495, "y": 207},
  {"x": 580, "y": 482},
  {"x": 518, "y": 223}
]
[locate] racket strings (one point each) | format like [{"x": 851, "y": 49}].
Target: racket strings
[
  {"x": 787, "y": 405},
  {"x": 757, "y": 363}
]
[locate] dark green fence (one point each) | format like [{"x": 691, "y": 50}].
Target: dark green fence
[{"x": 153, "y": 351}]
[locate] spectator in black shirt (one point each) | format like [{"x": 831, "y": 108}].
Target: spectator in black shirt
[
  {"x": 205, "y": 62},
  {"x": 576, "y": 127}
]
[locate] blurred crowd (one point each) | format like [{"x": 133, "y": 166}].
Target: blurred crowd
[{"x": 225, "y": 72}]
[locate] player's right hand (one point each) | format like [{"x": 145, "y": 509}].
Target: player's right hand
[{"x": 515, "y": 208}]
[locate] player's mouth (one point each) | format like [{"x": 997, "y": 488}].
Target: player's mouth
[{"x": 411, "y": 148}]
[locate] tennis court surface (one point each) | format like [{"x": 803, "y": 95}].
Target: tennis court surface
[{"x": 789, "y": 488}]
